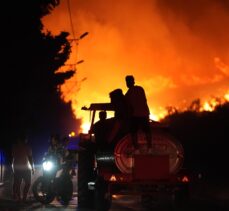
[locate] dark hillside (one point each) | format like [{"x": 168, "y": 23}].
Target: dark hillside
[{"x": 205, "y": 137}]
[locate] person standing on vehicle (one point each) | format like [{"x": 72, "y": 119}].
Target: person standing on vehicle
[
  {"x": 121, "y": 115},
  {"x": 23, "y": 166},
  {"x": 139, "y": 119}
]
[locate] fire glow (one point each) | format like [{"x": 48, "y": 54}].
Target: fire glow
[{"x": 177, "y": 51}]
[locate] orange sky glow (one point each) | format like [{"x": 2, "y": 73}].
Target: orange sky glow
[{"x": 177, "y": 51}]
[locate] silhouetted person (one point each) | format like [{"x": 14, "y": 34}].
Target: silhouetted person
[
  {"x": 69, "y": 157},
  {"x": 56, "y": 148},
  {"x": 100, "y": 130},
  {"x": 139, "y": 119},
  {"x": 121, "y": 115},
  {"x": 23, "y": 166}
]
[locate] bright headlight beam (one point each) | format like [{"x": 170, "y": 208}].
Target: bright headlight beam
[{"x": 47, "y": 165}]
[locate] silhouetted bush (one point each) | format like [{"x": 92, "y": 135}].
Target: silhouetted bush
[{"x": 205, "y": 137}]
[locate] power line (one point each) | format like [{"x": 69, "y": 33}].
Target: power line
[
  {"x": 76, "y": 40},
  {"x": 71, "y": 22}
]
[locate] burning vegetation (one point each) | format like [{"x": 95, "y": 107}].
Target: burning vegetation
[{"x": 177, "y": 50}]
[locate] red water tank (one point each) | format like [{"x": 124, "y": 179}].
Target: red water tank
[{"x": 163, "y": 144}]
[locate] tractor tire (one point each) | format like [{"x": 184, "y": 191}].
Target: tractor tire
[
  {"x": 85, "y": 175},
  {"x": 103, "y": 198}
]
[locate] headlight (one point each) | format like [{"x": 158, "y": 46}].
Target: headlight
[{"x": 48, "y": 165}]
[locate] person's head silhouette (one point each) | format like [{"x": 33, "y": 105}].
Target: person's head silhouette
[
  {"x": 102, "y": 115},
  {"x": 130, "y": 81},
  {"x": 116, "y": 95}
]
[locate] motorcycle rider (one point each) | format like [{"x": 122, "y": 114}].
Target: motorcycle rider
[
  {"x": 59, "y": 176},
  {"x": 56, "y": 148},
  {"x": 70, "y": 158}
]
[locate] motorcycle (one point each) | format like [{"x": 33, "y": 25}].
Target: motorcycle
[{"x": 56, "y": 181}]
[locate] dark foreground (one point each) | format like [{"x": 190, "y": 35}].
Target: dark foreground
[
  {"x": 121, "y": 203},
  {"x": 206, "y": 196}
]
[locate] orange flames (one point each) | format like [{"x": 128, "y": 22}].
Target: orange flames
[{"x": 178, "y": 52}]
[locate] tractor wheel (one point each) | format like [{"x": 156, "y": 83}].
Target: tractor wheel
[
  {"x": 103, "y": 198},
  {"x": 85, "y": 175}
]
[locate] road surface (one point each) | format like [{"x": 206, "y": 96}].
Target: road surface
[{"x": 205, "y": 196}]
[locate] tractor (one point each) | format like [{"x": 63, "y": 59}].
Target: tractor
[{"x": 115, "y": 169}]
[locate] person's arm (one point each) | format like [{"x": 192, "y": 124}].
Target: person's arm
[
  {"x": 12, "y": 159},
  {"x": 31, "y": 163},
  {"x": 30, "y": 158},
  {"x": 12, "y": 163}
]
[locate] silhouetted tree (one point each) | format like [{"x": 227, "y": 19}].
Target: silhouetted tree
[{"x": 30, "y": 59}]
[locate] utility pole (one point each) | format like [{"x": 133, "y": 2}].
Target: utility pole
[{"x": 76, "y": 40}]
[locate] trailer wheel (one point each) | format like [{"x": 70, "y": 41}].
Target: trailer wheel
[
  {"x": 103, "y": 197},
  {"x": 85, "y": 174}
]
